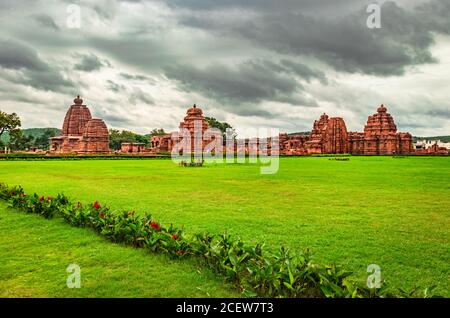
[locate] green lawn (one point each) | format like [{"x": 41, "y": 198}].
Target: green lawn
[
  {"x": 35, "y": 254},
  {"x": 393, "y": 212}
]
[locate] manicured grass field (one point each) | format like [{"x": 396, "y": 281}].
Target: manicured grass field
[
  {"x": 393, "y": 212},
  {"x": 35, "y": 254}
]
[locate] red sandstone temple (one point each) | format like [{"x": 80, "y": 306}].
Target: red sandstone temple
[
  {"x": 81, "y": 133},
  {"x": 330, "y": 136},
  {"x": 164, "y": 143}
]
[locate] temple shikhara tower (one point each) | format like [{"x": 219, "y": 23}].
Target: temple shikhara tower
[
  {"x": 194, "y": 116},
  {"x": 330, "y": 136},
  {"x": 81, "y": 133},
  {"x": 380, "y": 137}
]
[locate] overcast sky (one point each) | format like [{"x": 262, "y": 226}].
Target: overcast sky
[{"x": 140, "y": 64}]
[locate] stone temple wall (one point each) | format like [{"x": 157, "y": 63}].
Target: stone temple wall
[
  {"x": 330, "y": 136},
  {"x": 81, "y": 133}
]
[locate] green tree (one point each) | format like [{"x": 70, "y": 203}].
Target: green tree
[
  {"x": 19, "y": 141},
  {"x": 43, "y": 141},
  {"x": 157, "y": 132},
  {"x": 9, "y": 123},
  {"x": 214, "y": 123},
  {"x": 117, "y": 137},
  {"x": 222, "y": 126},
  {"x": 142, "y": 139}
]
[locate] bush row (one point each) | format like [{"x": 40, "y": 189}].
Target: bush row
[{"x": 255, "y": 271}]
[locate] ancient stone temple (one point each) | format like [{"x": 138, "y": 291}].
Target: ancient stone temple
[
  {"x": 81, "y": 133},
  {"x": 294, "y": 145},
  {"x": 133, "y": 147},
  {"x": 330, "y": 136},
  {"x": 161, "y": 143},
  {"x": 380, "y": 137},
  {"x": 95, "y": 138},
  {"x": 194, "y": 116}
]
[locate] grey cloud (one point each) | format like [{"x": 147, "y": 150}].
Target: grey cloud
[
  {"x": 144, "y": 52},
  {"x": 137, "y": 77},
  {"x": 15, "y": 55},
  {"x": 443, "y": 113},
  {"x": 115, "y": 119},
  {"x": 113, "y": 86},
  {"x": 326, "y": 6},
  {"x": 346, "y": 43},
  {"x": 31, "y": 69},
  {"x": 252, "y": 110},
  {"x": 277, "y": 38},
  {"x": 250, "y": 82},
  {"x": 51, "y": 80},
  {"x": 90, "y": 62},
  {"x": 46, "y": 21},
  {"x": 139, "y": 96},
  {"x": 304, "y": 71}
]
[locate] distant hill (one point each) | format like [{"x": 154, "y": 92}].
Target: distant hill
[{"x": 35, "y": 132}]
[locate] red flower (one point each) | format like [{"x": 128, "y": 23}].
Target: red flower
[
  {"x": 174, "y": 236},
  {"x": 42, "y": 198},
  {"x": 96, "y": 205},
  {"x": 102, "y": 215},
  {"x": 155, "y": 225},
  {"x": 180, "y": 252}
]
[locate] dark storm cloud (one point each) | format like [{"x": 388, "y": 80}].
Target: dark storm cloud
[
  {"x": 347, "y": 43},
  {"x": 31, "y": 69},
  {"x": 304, "y": 71},
  {"x": 235, "y": 56},
  {"x": 46, "y": 21},
  {"x": 266, "y": 5},
  {"x": 15, "y": 55},
  {"x": 249, "y": 83},
  {"x": 89, "y": 63},
  {"x": 144, "y": 52},
  {"x": 245, "y": 84}
]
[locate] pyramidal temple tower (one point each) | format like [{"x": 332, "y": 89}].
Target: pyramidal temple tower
[
  {"x": 380, "y": 136},
  {"x": 81, "y": 133}
]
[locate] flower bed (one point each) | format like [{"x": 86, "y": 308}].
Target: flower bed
[{"x": 253, "y": 270}]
